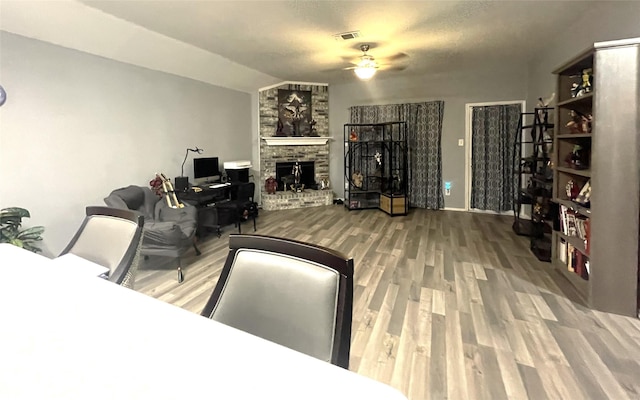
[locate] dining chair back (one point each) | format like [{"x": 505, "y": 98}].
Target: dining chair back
[
  {"x": 292, "y": 293},
  {"x": 110, "y": 237}
]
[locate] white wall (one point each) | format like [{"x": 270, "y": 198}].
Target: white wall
[
  {"x": 74, "y": 25},
  {"x": 76, "y": 126},
  {"x": 497, "y": 84}
]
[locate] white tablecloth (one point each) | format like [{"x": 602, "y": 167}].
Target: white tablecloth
[{"x": 87, "y": 338}]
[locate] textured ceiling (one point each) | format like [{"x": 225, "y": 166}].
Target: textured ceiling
[{"x": 293, "y": 40}]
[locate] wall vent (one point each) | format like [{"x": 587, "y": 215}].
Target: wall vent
[{"x": 347, "y": 35}]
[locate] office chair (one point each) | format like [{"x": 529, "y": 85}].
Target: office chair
[
  {"x": 292, "y": 293},
  {"x": 242, "y": 206},
  {"x": 112, "y": 238}
]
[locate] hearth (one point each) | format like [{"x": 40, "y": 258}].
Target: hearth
[{"x": 284, "y": 173}]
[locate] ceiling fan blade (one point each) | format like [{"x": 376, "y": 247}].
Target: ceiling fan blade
[
  {"x": 396, "y": 57},
  {"x": 396, "y": 68},
  {"x": 351, "y": 59},
  {"x": 355, "y": 66}
]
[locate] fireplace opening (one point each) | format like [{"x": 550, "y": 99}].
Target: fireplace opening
[{"x": 284, "y": 174}]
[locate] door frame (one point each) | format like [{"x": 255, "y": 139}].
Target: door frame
[{"x": 468, "y": 148}]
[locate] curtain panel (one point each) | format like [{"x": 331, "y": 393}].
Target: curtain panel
[
  {"x": 493, "y": 133},
  {"x": 424, "y": 137}
]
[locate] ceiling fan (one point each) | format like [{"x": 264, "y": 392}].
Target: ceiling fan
[{"x": 367, "y": 66}]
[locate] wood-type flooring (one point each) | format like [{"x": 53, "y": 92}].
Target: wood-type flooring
[{"x": 447, "y": 305}]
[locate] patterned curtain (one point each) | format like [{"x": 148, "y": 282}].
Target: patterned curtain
[
  {"x": 493, "y": 130},
  {"x": 424, "y": 136}
]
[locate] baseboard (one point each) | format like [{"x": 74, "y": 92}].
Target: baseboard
[
  {"x": 475, "y": 210},
  {"x": 454, "y": 209}
]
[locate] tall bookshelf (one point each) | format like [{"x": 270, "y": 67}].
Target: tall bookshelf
[{"x": 597, "y": 147}]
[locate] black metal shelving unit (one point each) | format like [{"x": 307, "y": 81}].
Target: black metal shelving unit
[
  {"x": 376, "y": 167},
  {"x": 534, "y": 181}
]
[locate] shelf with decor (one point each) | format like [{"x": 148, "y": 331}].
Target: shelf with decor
[
  {"x": 534, "y": 179},
  {"x": 572, "y": 174},
  {"x": 595, "y": 243},
  {"x": 376, "y": 167}
]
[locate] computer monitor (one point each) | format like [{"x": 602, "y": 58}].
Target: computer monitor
[{"x": 206, "y": 168}]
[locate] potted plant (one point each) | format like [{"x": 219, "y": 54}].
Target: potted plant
[{"x": 11, "y": 232}]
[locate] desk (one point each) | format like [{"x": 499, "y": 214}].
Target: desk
[
  {"x": 91, "y": 339},
  {"x": 205, "y": 200}
]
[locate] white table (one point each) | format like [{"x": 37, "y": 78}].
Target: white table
[
  {"x": 73, "y": 264},
  {"x": 86, "y": 338}
]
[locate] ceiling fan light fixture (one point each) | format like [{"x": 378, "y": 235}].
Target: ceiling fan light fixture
[
  {"x": 365, "y": 72},
  {"x": 366, "y": 68}
]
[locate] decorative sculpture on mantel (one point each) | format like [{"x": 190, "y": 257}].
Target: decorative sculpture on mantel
[
  {"x": 312, "y": 128},
  {"x": 297, "y": 175},
  {"x": 280, "y": 128}
]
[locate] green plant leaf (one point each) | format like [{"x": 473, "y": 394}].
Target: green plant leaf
[
  {"x": 31, "y": 248},
  {"x": 10, "y": 223},
  {"x": 32, "y": 233},
  {"x": 11, "y": 218},
  {"x": 12, "y": 212}
]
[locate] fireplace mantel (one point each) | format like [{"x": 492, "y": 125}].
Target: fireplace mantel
[{"x": 295, "y": 140}]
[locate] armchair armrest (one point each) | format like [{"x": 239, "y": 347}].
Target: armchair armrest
[
  {"x": 163, "y": 234},
  {"x": 186, "y": 218}
]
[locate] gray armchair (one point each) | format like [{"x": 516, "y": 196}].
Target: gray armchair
[{"x": 168, "y": 232}]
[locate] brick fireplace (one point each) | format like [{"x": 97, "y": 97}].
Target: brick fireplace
[{"x": 302, "y": 149}]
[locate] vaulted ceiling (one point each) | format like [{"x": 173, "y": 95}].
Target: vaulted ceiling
[{"x": 294, "y": 40}]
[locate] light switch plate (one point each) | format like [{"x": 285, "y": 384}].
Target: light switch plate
[{"x": 460, "y": 142}]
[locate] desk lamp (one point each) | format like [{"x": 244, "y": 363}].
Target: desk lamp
[{"x": 182, "y": 182}]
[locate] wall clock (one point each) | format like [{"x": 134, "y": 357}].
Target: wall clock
[{"x": 3, "y": 95}]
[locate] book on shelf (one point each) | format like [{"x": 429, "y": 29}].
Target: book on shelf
[
  {"x": 587, "y": 267},
  {"x": 578, "y": 224},
  {"x": 587, "y": 236},
  {"x": 571, "y": 223},
  {"x": 567, "y": 221},
  {"x": 574, "y": 224},
  {"x": 562, "y": 251},
  {"x": 574, "y": 259},
  {"x": 570, "y": 258},
  {"x": 578, "y": 266}
]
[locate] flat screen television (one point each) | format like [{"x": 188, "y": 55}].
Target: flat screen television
[{"x": 206, "y": 167}]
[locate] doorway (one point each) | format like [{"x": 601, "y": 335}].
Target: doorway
[{"x": 490, "y": 135}]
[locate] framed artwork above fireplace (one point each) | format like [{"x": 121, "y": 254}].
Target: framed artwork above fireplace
[{"x": 294, "y": 113}]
